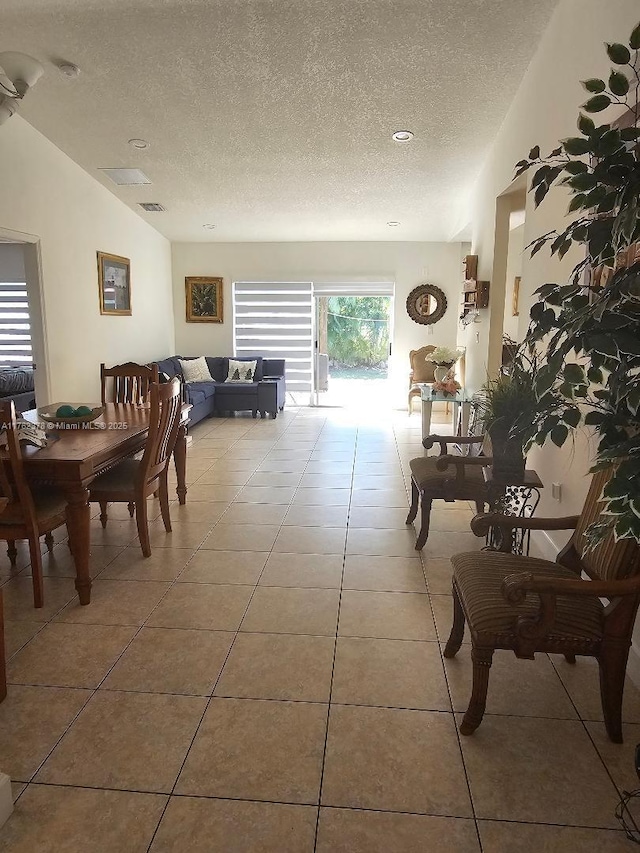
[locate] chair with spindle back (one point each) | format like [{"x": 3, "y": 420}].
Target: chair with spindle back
[
  {"x": 529, "y": 605},
  {"x": 133, "y": 480},
  {"x": 130, "y": 384},
  {"x": 28, "y": 515}
]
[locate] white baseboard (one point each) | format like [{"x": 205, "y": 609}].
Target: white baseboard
[
  {"x": 6, "y": 799},
  {"x": 542, "y": 545}
]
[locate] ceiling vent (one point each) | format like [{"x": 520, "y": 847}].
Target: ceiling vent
[
  {"x": 152, "y": 206},
  {"x": 126, "y": 177}
]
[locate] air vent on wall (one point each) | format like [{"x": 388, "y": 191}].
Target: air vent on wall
[
  {"x": 152, "y": 206},
  {"x": 126, "y": 177}
]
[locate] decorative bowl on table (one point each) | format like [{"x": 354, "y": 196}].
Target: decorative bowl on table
[{"x": 68, "y": 413}]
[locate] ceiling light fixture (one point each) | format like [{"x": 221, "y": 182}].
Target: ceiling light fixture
[
  {"x": 209, "y": 227},
  {"x": 140, "y": 144},
  {"x": 402, "y": 136},
  {"x": 18, "y": 73},
  {"x": 393, "y": 224},
  {"x": 68, "y": 69}
]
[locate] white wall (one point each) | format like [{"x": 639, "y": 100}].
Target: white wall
[
  {"x": 45, "y": 194},
  {"x": 544, "y": 110},
  {"x": 12, "y": 262},
  {"x": 514, "y": 268},
  {"x": 406, "y": 264}
]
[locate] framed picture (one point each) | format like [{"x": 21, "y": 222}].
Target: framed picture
[
  {"x": 515, "y": 311},
  {"x": 114, "y": 284},
  {"x": 204, "y": 299}
]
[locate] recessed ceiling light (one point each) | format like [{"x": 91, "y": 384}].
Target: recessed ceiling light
[
  {"x": 402, "y": 136},
  {"x": 393, "y": 224},
  {"x": 209, "y": 227},
  {"x": 140, "y": 144},
  {"x": 68, "y": 69}
]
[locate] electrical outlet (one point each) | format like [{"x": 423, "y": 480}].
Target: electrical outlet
[{"x": 556, "y": 491}]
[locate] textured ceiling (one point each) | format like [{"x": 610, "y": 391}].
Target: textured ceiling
[{"x": 272, "y": 119}]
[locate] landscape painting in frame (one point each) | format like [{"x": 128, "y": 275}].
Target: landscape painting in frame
[
  {"x": 114, "y": 283},
  {"x": 204, "y": 299}
]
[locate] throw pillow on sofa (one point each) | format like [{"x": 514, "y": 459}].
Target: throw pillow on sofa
[
  {"x": 241, "y": 371},
  {"x": 195, "y": 370}
]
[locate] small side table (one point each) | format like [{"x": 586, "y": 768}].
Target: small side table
[
  {"x": 514, "y": 497},
  {"x": 428, "y": 399}
]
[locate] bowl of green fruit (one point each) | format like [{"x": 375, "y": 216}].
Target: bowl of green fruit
[{"x": 69, "y": 413}]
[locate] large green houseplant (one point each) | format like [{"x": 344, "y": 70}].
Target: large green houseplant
[{"x": 590, "y": 334}]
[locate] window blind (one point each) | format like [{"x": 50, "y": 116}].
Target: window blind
[
  {"x": 275, "y": 319},
  {"x": 15, "y": 326}
]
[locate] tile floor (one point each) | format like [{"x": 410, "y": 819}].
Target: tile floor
[{"x": 271, "y": 679}]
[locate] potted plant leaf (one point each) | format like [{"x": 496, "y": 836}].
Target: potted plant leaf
[{"x": 589, "y": 328}]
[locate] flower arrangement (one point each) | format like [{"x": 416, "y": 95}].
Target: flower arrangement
[
  {"x": 444, "y": 356},
  {"x": 449, "y": 387}
]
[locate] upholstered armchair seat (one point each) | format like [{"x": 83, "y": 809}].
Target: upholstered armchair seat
[
  {"x": 493, "y": 620},
  {"x": 121, "y": 478}
]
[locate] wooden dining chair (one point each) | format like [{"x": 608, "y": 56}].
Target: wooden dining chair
[
  {"x": 28, "y": 515},
  {"x": 529, "y": 605},
  {"x": 421, "y": 371},
  {"x": 133, "y": 480},
  {"x": 130, "y": 382}
]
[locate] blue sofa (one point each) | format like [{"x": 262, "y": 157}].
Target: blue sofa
[{"x": 266, "y": 394}]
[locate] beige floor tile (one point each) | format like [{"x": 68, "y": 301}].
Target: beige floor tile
[
  {"x": 85, "y": 655},
  {"x": 213, "y": 607},
  {"x": 78, "y": 820},
  {"x": 255, "y": 514},
  {"x": 351, "y": 831},
  {"x": 120, "y": 511},
  {"x": 619, "y": 758},
  {"x": 18, "y": 598},
  {"x": 273, "y": 478},
  {"x": 582, "y": 681},
  {"x": 216, "y": 494},
  {"x": 253, "y": 749},
  {"x": 322, "y": 497},
  {"x": 439, "y": 575},
  {"x": 387, "y": 615},
  {"x": 164, "y": 564},
  {"x": 132, "y": 741},
  {"x": 31, "y": 721},
  {"x": 243, "y": 567},
  {"x": 222, "y": 477},
  {"x": 171, "y": 660},
  {"x": 316, "y": 516},
  {"x": 447, "y": 544},
  {"x": 292, "y": 611},
  {"x": 442, "y": 606},
  {"x": 17, "y": 788},
  {"x": 186, "y": 535},
  {"x": 59, "y": 563},
  {"x": 241, "y": 537},
  {"x": 385, "y": 574},
  {"x": 393, "y": 760},
  {"x": 506, "y": 837},
  {"x": 310, "y": 540},
  {"x": 278, "y": 666},
  {"x": 390, "y": 673},
  {"x": 381, "y": 498},
  {"x": 522, "y": 688},
  {"x": 389, "y": 543},
  {"x": 378, "y": 517},
  {"x": 283, "y": 466},
  {"x": 387, "y": 468},
  {"x": 303, "y": 570},
  {"x": 327, "y": 480},
  {"x": 116, "y": 603},
  {"x": 390, "y": 482},
  {"x": 17, "y": 634},
  {"x": 235, "y": 827},
  {"x": 529, "y": 769},
  {"x": 266, "y": 495},
  {"x": 117, "y": 532},
  {"x": 450, "y": 521},
  {"x": 198, "y": 511}
]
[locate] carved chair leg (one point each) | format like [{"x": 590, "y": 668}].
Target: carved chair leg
[
  {"x": 479, "y": 507},
  {"x": 570, "y": 658},
  {"x": 143, "y": 526},
  {"x": 163, "y": 492},
  {"x": 475, "y": 712},
  {"x": 457, "y": 629},
  {"x": 415, "y": 498},
  {"x": 36, "y": 572},
  {"x": 12, "y": 551},
  {"x": 613, "y": 666},
  {"x": 48, "y": 541},
  {"x": 425, "y": 517},
  {"x": 103, "y": 513},
  {"x": 132, "y": 509}
]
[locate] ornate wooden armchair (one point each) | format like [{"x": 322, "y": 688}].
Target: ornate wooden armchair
[
  {"x": 421, "y": 371},
  {"x": 530, "y": 605}
]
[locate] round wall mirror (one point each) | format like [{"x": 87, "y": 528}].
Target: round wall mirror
[{"x": 426, "y": 304}]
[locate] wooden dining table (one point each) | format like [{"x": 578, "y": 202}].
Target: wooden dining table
[{"x": 76, "y": 454}]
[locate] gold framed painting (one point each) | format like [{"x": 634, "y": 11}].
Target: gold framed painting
[
  {"x": 114, "y": 284},
  {"x": 515, "y": 310},
  {"x": 203, "y": 296}
]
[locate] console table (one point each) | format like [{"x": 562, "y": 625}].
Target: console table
[
  {"x": 514, "y": 497},
  {"x": 459, "y": 400}
]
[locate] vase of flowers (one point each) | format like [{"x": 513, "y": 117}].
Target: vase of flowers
[{"x": 444, "y": 358}]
